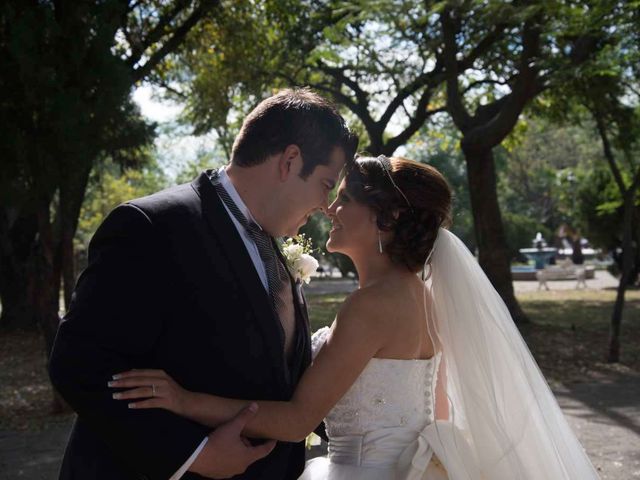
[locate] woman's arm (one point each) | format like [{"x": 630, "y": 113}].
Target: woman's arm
[{"x": 358, "y": 332}]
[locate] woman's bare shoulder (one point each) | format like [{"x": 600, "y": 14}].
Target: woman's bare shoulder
[{"x": 368, "y": 305}]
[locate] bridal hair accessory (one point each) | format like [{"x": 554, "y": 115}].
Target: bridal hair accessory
[
  {"x": 385, "y": 163},
  {"x": 297, "y": 253}
]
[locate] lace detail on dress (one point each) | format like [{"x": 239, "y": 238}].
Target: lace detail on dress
[
  {"x": 380, "y": 428},
  {"x": 318, "y": 339},
  {"x": 388, "y": 393}
]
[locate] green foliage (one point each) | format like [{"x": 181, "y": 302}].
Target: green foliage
[
  {"x": 205, "y": 160},
  {"x": 601, "y": 208},
  {"x": 64, "y": 96},
  {"x": 540, "y": 177},
  {"x": 108, "y": 187},
  {"x": 230, "y": 62}
]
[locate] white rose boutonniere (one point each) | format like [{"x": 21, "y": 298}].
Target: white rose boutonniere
[{"x": 296, "y": 251}]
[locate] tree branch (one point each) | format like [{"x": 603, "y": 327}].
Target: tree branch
[
  {"x": 176, "y": 39},
  {"x": 141, "y": 45},
  {"x": 419, "y": 118},
  {"x": 492, "y": 129},
  {"x": 608, "y": 153},
  {"x": 360, "y": 108},
  {"x": 455, "y": 106},
  {"x": 428, "y": 80},
  {"x": 486, "y": 81}
]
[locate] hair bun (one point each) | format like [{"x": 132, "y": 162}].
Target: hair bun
[{"x": 415, "y": 227}]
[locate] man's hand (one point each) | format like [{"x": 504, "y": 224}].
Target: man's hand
[{"x": 227, "y": 452}]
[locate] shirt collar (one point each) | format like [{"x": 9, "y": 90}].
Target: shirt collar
[{"x": 227, "y": 184}]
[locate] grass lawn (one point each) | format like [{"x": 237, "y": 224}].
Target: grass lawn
[{"x": 568, "y": 337}]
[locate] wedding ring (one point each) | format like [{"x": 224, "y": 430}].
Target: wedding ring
[{"x": 153, "y": 390}]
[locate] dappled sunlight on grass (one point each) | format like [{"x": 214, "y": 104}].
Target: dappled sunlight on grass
[
  {"x": 323, "y": 309},
  {"x": 570, "y": 333}
]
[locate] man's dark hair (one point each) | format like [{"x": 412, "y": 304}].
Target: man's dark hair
[{"x": 293, "y": 117}]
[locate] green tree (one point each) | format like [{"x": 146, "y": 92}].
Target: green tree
[
  {"x": 542, "y": 167},
  {"x": 67, "y": 73},
  {"x": 395, "y": 65},
  {"x": 68, "y": 69},
  {"x": 608, "y": 90}
]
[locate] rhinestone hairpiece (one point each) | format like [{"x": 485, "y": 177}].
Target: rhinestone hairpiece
[{"x": 385, "y": 163}]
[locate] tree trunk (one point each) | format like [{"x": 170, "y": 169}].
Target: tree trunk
[
  {"x": 494, "y": 255},
  {"x": 17, "y": 299},
  {"x": 72, "y": 193},
  {"x": 17, "y": 237},
  {"x": 68, "y": 268},
  {"x": 627, "y": 266},
  {"x": 47, "y": 275}
]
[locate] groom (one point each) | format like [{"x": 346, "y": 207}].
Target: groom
[{"x": 189, "y": 280}]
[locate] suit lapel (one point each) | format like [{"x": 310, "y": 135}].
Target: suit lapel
[
  {"x": 227, "y": 235},
  {"x": 302, "y": 356}
]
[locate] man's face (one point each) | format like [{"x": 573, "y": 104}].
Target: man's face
[{"x": 304, "y": 197}]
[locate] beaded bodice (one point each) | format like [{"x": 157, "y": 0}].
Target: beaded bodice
[{"x": 388, "y": 393}]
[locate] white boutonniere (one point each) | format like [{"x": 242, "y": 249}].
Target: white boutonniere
[{"x": 297, "y": 252}]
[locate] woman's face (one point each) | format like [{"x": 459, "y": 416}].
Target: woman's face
[{"x": 354, "y": 229}]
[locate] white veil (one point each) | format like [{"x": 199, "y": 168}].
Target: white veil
[{"x": 504, "y": 422}]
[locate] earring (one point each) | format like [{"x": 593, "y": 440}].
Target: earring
[{"x": 379, "y": 242}]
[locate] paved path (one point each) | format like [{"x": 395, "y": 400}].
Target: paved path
[
  {"x": 603, "y": 280},
  {"x": 604, "y": 415}
]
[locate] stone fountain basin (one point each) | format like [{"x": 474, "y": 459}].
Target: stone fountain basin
[{"x": 529, "y": 273}]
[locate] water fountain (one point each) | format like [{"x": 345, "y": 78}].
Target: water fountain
[{"x": 540, "y": 253}]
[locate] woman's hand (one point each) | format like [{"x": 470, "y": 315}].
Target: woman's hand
[{"x": 157, "y": 388}]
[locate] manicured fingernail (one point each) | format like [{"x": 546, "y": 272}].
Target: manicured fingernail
[
  {"x": 116, "y": 376},
  {"x": 253, "y": 407},
  {"x": 132, "y": 405},
  {"x": 111, "y": 384},
  {"x": 117, "y": 396}
]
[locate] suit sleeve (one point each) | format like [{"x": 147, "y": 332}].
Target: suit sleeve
[{"x": 114, "y": 321}]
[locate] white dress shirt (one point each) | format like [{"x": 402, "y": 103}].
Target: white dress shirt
[{"x": 225, "y": 181}]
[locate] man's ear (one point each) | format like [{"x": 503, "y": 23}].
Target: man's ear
[{"x": 290, "y": 161}]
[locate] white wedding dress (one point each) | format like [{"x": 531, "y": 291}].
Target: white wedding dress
[
  {"x": 504, "y": 422},
  {"x": 380, "y": 428}
]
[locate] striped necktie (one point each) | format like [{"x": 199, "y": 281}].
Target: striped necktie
[{"x": 278, "y": 278}]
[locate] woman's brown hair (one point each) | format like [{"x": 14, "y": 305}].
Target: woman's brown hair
[{"x": 411, "y": 199}]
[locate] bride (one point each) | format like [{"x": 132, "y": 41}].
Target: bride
[{"x": 419, "y": 376}]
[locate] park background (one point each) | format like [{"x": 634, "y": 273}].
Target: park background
[{"x": 529, "y": 108}]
